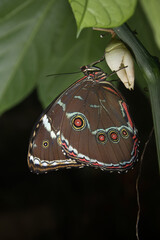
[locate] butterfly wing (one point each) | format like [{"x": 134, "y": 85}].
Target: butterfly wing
[
  {"x": 96, "y": 128},
  {"x": 45, "y": 151},
  {"x": 89, "y": 124}
]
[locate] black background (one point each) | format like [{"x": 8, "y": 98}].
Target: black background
[{"x": 77, "y": 203}]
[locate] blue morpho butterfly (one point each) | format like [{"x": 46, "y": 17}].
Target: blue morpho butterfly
[{"x": 87, "y": 125}]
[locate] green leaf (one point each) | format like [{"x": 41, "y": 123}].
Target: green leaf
[
  {"x": 152, "y": 10},
  {"x": 102, "y": 13},
  {"x": 19, "y": 55}
]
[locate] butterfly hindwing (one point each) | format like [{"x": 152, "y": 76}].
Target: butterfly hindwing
[{"x": 105, "y": 136}]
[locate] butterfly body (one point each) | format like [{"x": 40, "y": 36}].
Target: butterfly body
[{"x": 88, "y": 125}]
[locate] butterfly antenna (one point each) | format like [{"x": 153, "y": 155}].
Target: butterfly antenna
[
  {"x": 114, "y": 72},
  {"x": 59, "y": 74},
  {"x": 98, "y": 61}
]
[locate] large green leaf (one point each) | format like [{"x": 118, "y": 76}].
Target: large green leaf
[
  {"x": 19, "y": 54},
  {"x": 102, "y": 13}
]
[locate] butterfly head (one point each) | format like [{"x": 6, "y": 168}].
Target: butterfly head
[{"x": 93, "y": 72}]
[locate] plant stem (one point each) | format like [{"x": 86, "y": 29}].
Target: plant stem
[{"x": 150, "y": 69}]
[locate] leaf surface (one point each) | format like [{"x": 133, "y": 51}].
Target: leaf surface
[{"x": 102, "y": 13}]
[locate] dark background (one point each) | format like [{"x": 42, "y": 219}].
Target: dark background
[{"x": 77, "y": 203}]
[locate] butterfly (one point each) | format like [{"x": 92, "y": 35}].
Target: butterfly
[{"x": 87, "y": 125}]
